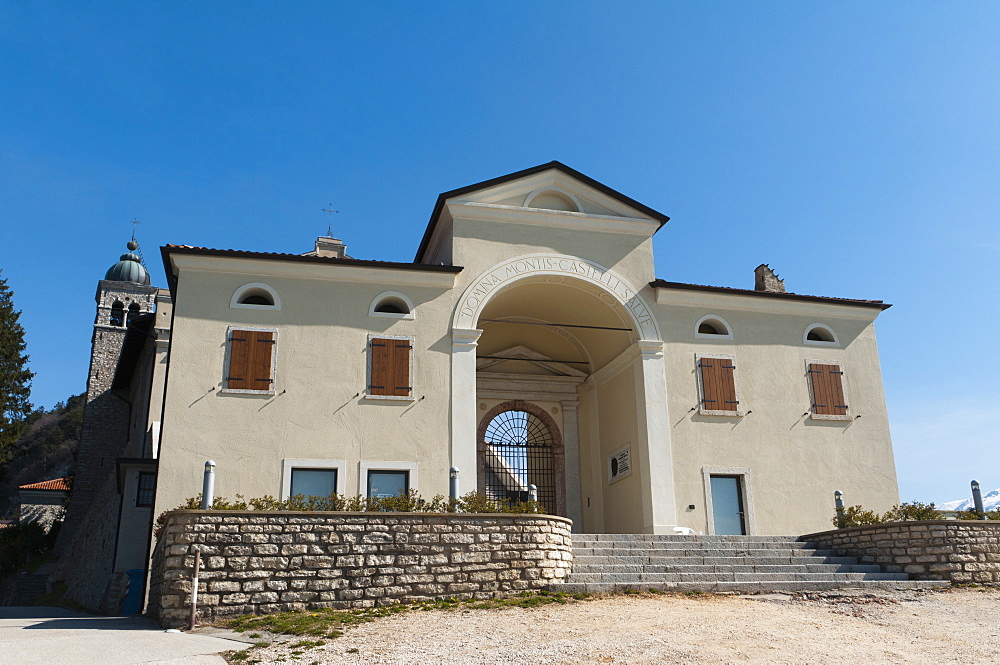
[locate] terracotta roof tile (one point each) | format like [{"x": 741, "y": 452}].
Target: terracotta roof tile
[
  {"x": 307, "y": 257},
  {"x": 660, "y": 283},
  {"x": 62, "y": 484}
]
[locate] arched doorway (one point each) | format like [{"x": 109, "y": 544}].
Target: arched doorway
[
  {"x": 577, "y": 343},
  {"x": 520, "y": 445}
]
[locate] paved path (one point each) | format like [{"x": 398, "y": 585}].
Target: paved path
[{"x": 47, "y": 635}]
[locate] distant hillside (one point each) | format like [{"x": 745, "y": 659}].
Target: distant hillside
[{"x": 46, "y": 450}]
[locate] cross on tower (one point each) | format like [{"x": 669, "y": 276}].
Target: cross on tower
[
  {"x": 135, "y": 223},
  {"x": 330, "y": 211}
]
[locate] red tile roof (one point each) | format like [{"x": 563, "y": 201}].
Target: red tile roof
[
  {"x": 60, "y": 484},
  {"x": 663, "y": 284},
  {"x": 191, "y": 249}
]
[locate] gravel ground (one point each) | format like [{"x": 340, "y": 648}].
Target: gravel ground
[{"x": 961, "y": 625}]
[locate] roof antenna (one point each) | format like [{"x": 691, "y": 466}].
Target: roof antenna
[
  {"x": 330, "y": 211},
  {"x": 133, "y": 244}
]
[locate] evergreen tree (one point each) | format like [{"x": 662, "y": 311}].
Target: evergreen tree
[{"x": 15, "y": 378}]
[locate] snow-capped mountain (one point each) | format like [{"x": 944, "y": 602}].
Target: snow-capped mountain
[{"x": 991, "y": 501}]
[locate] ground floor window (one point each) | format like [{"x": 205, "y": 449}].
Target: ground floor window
[
  {"x": 384, "y": 484},
  {"x": 313, "y": 482}
]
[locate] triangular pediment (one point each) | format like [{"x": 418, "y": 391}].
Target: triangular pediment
[
  {"x": 547, "y": 195},
  {"x": 524, "y": 355}
]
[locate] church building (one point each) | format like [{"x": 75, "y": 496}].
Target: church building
[{"x": 529, "y": 342}]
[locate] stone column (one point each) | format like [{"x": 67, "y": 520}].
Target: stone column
[
  {"x": 571, "y": 447},
  {"x": 463, "y": 406},
  {"x": 656, "y": 467}
]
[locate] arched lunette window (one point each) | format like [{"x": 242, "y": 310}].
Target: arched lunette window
[
  {"x": 391, "y": 304},
  {"x": 255, "y": 296},
  {"x": 711, "y": 326},
  {"x": 820, "y": 334}
]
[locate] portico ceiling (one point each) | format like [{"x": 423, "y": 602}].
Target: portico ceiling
[{"x": 556, "y": 300}]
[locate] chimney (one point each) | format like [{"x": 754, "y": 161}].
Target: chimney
[
  {"x": 766, "y": 280},
  {"x": 330, "y": 247}
]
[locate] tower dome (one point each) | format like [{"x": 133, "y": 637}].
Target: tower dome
[{"x": 129, "y": 267}]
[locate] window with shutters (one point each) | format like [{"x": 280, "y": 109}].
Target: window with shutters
[
  {"x": 827, "y": 392},
  {"x": 718, "y": 386},
  {"x": 390, "y": 367},
  {"x": 250, "y": 360}
]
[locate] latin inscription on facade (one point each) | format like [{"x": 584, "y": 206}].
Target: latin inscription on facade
[{"x": 557, "y": 265}]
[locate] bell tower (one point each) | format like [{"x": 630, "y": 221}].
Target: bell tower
[
  {"x": 86, "y": 542},
  {"x": 123, "y": 294}
]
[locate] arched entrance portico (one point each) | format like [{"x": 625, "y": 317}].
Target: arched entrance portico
[{"x": 582, "y": 346}]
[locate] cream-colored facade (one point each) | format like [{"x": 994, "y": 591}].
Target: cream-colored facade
[{"x": 535, "y": 294}]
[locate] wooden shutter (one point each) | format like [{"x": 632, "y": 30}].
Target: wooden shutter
[
  {"x": 250, "y": 356},
  {"x": 718, "y": 384},
  {"x": 827, "y": 390},
  {"x": 390, "y": 367},
  {"x": 261, "y": 355},
  {"x": 238, "y": 376},
  {"x": 401, "y": 349},
  {"x": 381, "y": 361}
]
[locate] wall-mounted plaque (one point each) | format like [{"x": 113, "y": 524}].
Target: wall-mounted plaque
[{"x": 620, "y": 463}]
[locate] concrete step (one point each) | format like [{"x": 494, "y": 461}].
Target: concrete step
[
  {"x": 703, "y": 558},
  {"x": 697, "y": 551},
  {"x": 692, "y": 543},
  {"x": 644, "y": 578},
  {"x": 746, "y": 564},
  {"x": 750, "y": 568},
  {"x": 670, "y": 538},
  {"x": 745, "y": 587}
]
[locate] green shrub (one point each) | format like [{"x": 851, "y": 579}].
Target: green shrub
[
  {"x": 856, "y": 516},
  {"x": 410, "y": 502},
  {"x": 911, "y": 511}
]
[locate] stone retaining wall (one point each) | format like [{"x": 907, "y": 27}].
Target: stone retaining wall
[
  {"x": 958, "y": 551},
  {"x": 263, "y": 562}
]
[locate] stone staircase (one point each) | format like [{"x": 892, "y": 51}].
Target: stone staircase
[{"x": 743, "y": 564}]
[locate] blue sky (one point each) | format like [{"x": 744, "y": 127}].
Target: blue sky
[{"x": 853, "y": 146}]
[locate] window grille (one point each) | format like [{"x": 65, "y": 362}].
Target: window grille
[{"x": 519, "y": 452}]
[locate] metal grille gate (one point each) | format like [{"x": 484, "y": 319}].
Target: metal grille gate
[{"x": 519, "y": 452}]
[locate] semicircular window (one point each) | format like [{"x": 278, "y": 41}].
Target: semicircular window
[
  {"x": 820, "y": 334},
  {"x": 392, "y": 305},
  {"x": 712, "y": 326},
  {"x": 257, "y": 297},
  {"x": 519, "y": 453}
]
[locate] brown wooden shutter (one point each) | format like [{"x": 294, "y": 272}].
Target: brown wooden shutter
[
  {"x": 390, "y": 369},
  {"x": 261, "y": 355},
  {"x": 250, "y": 356},
  {"x": 827, "y": 390},
  {"x": 718, "y": 384},
  {"x": 238, "y": 374},
  {"x": 401, "y": 349},
  {"x": 380, "y": 379}
]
